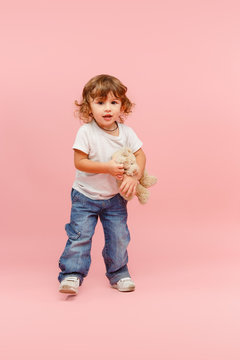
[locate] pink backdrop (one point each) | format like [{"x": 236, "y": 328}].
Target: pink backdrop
[{"x": 180, "y": 62}]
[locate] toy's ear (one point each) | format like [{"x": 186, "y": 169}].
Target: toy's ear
[
  {"x": 129, "y": 150},
  {"x": 125, "y": 152}
]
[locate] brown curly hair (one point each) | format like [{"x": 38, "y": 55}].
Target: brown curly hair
[{"x": 100, "y": 86}]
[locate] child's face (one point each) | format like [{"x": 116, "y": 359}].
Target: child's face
[{"x": 110, "y": 106}]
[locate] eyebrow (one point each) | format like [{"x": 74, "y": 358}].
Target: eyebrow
[{"x": 101, "y": 98}]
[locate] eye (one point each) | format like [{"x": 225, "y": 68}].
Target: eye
[
  {"x": 100, "y": 102},
  {"x": 114, "y": 102}
]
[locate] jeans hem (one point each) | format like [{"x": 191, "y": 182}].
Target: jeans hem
[
  {"x": 117, "y": 277},
  {"x": 61, "y": 278}
]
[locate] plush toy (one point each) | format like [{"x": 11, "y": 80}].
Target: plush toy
[{"x": 126, "y": 157}]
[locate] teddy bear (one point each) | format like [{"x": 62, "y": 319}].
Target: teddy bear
[{"x": 126, "y": 157}]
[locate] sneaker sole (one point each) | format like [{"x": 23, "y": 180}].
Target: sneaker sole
[
  {"x": 132, "y": 288},
  {"x": 67, "y": 290}
]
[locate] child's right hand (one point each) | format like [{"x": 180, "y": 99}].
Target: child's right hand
[{"x": 115, "y": 169}]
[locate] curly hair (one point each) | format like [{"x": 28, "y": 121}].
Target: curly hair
[{"x": 100, "y": 86}]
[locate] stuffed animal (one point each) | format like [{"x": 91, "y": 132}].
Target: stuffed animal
[{"x": 126, "y": 157}]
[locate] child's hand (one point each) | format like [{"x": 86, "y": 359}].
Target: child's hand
[
  {"x": 128, "y": 186},
  {"x": 115, "y": 169}
]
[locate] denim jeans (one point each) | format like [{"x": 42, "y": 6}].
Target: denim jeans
[{"x": 76, "y": 257}]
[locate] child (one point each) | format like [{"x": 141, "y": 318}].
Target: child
[{"x": 95, "y": 192}]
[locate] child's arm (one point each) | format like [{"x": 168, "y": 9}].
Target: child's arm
[
  {"x": 82, "y": 163},
  {"x": 129, "y": 183}
]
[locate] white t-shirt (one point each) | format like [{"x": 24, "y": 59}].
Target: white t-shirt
[{"x": 100, "y": 146}]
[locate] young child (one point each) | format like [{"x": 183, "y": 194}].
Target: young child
[{"x": 95, "y": 192}]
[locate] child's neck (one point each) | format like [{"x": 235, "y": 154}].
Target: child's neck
[{"x": 111, "y": 131}]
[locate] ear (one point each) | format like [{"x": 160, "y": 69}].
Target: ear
[
  {"x": 122, "y": 109},
  {"x": 129, "y": 150},
  {"x": 125, "y": 152}
]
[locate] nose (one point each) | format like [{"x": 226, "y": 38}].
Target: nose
[{"x": 107, "y": 107}]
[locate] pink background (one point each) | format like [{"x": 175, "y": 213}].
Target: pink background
[{"x": 180, "y": 61}]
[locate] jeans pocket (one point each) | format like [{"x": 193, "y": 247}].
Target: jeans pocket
[
  {"x": 73, "y": 194},
  {"x": 123, "y": 201},
  {"x": 78, "y": 197},
  {"x": 72, "y": 232}
]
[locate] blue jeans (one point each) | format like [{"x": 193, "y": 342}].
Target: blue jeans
[{"x": 76, "y": 259}]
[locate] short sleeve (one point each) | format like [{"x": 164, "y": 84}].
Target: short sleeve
[
  {"x": 133, "y": 141},
  {"x": 81, "y": 141}
]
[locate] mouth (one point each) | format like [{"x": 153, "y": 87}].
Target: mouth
[{"x": 107, "y": 116}]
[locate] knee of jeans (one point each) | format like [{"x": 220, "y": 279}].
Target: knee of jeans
[
  {"x": 123, "y": 234},
  {"x": 72, "y": 232}
]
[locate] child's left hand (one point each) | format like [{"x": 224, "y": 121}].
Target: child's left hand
[{"x": 128, "y": 186}]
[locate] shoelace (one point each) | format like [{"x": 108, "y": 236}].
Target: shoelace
[
  {"x": 69, "y": 278},
  {"x": 125, "y": 279}
]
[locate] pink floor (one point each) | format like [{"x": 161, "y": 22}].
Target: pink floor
[
  {"x": 180, "y": 63},
  {"x": 186, "y": 304}
]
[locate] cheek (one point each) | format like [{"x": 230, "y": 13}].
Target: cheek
[
  {"x": 95, "y": 109},
  {"x": 117, "y": 108}
]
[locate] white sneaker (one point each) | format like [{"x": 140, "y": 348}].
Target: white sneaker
[
  {"x": 69, "y": 285},
  {"x": 124, "y": 284}
]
